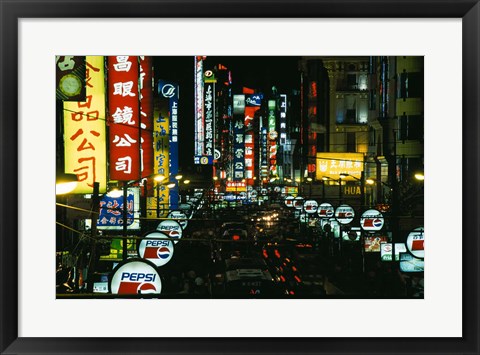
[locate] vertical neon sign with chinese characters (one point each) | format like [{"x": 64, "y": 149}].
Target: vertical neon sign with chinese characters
[
  {"x": 249, "y": 142},
  {"x": 146, "y": 115},
  {"x": 170, "y": 91},
  {"x": 272, "y": 138},
  {"x": 124, "y": 118},
  {"x": 161, "y": 154},
  {"x": 209, "y": 112},
  {"x": 85, "y": 134},
  {"x": 238, "y": 137},
  {"x": 199, "y": 124}
]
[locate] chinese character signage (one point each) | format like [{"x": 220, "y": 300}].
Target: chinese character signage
[
  {"x": 209, "y": 111},
  {"x": 85, "y": 134},
  {"x": 124, "y": 118},
  {"x": 283, "y": 119},
  {"x": 70, "y": 77},
  {"x": 333, "y": 164},
  {"x": 146, "y": 115},
  {"x": 111, "y": 211},
  {"x": 161, "y": 158},
  {"x": 238, "y": 137},
  {"x": 170, "y": 91},
  {"x": 254, "y": 100},
  {"x": 272, "y": 146},
  {"x": 264, "y": 153},
  {"x": 199, "y": 124}
]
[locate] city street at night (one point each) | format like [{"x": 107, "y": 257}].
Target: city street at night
[{"x": 239, "y": 177}]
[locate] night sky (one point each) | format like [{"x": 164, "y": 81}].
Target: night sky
[{"x": 256, "y": 72}]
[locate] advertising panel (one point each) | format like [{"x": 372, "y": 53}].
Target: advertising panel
[
  {"x": 111, "y": 211},
  {"x": 135, "y": 277},
  {"x": 371, "y": 221},
  {"x": 333, "y": 164},
  {"x": 254, "y": 100},
  {"x": 235, "y": 186},
  {"x": 415, "y": 242},
  {"x": 238, "y": 137},
  {"x": 264, "y": 154},
  {"x": 289, "y": 201},
  {"x": 283, "y": 119},
  {"x": 209, "y": 111},
  {"x": 171, "y": 228},
  {"x": 124, "y": 118},
  {"x": 170, "y": 91},
  {"x": 272, "y": 138},
  {"x": 372, "y": 243},
  {"x": 386, "y": 251},
  {"x": 326, "y": 210},
  {"x": 310, "y": 206},
  {"x": 155, "y": 248},
  {"x": 409, "y": 263},
  {"x": 344, "y": 214},
  {"x": 198, "y": 89},
  {"x": 70, "y": 78},
  {"x": 146, "y": 116},
  {"x": 180, "y": 217},
  {"x": 160, "y": 194},
  {"x": 249, "y": 156},
  {"x": 85, "y": 133}
]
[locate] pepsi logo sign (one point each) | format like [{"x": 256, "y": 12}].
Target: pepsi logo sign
[
  {"x": 310, "y": 206},
  {"x": 171, "y": 228},
  {"x": 135, "y": 276},
  {"x": 344, "y": 214},
  {"x": 325, "y": 210},
  {"x": 180, "y": 217},
  {"x": 155, "y": 249},
  {"x": 371, "y": 220},
  {"x": 298, "y": 202},
  {"x": 415, "y": 243},
  {"x": 289, "y": 201}
]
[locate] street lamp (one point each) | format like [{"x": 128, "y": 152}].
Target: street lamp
[{"x": 65, "y": 183}]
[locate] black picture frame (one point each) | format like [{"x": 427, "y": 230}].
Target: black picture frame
[{"x": 12, "y": 11}]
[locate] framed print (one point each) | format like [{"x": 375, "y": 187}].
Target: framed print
[{"x": 276, "y": 167}]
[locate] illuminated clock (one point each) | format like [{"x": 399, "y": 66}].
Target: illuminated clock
[{"x": 70, "y": 85}]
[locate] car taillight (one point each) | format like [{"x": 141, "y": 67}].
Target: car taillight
[{"x": 236, "y": 237}]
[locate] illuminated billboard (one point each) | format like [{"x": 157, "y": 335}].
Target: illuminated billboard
[
  {"x": 124, "y": 118},
  {"x": 170, "y": 91},
  {"x": 198, "y": 92},
  {"x": 238, "y": 137},
  {"x": 146, "y": 116},
  {"x": 333, "y": 164},
  {"x": 85, "y": 133}
]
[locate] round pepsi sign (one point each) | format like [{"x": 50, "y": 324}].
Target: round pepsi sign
[
  {"x": 371, "y": 221},
  {"x": 415, "y": 241},
  {"x": 325, "y": 210},
  {"x": 180, "y": 216},
  {"x": 133, "y": 277},
  {"x": 310, "y": 206},
  {"x": 155, "y": 249},
  {"x": 171, "y": 228},
  {"x": 298, "y": 202},
  {"x": 289, "y": 201},
  {"x": 344, "y": 214}
]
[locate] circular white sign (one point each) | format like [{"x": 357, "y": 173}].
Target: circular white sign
[
  {"x": 298, "y": 202},
  {"x": 272, "y": 135},
  {"x": 325, "y": 210},
  {"x": 155, "y": 249},
  {"x": 371, "y": 220},
  {"x": 168, "y": 90},
  {"x": 344, "y": 214},
  {"x": 180, "y": 217},
  {"x": 310, "y": 206},
  {"x": 171, "y": 228},
  {"x": 253, "y": 194},
  {"x": 289, "y": 201},
  {"x": 135, "y": 276},
  {"x": 415, "y": 242}
]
